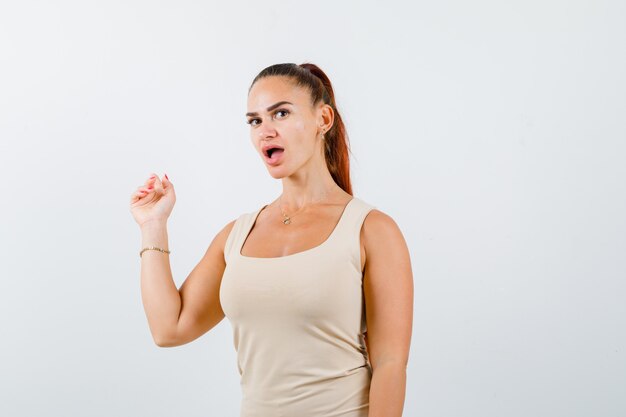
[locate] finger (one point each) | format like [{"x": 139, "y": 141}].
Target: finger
[
  {"x": 151, "y": 179},
  {"x": 143, "y": 191},
  {"x": 138, "y": 195},
  {"x": 167, "y": 184},
  {"x": 157, "y": 182}
]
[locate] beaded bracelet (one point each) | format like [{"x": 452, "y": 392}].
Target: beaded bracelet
[{"x": 152, "y": 248}]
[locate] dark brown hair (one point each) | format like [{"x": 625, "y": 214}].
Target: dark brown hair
[{"x": 336, "y": 144}]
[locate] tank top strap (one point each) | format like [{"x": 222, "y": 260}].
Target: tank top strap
[
  {"x": 349, "y": 229},
  {"x": 239, "y": 231}
]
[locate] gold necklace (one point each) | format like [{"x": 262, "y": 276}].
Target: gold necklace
[{"x": 286, "y": 218}]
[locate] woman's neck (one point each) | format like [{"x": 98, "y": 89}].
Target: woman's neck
[{"x": 303, "y": 191}]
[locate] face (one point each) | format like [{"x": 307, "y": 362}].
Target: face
[{"x": 280, "y": 115}]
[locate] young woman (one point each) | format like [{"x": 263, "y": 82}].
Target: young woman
[{"x": 317, "y": 284}]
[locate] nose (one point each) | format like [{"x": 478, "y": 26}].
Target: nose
[{"x": 266, "y": 131}]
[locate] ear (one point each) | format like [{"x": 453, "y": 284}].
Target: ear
[{"x": 325, "y": 117}]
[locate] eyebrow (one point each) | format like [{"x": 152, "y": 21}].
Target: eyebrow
[{"x": 270, "y": 108}]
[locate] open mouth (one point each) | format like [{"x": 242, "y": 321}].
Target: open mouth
[
  {"x": 274, "y": 155},
  {"x": 269, "y": 152}
]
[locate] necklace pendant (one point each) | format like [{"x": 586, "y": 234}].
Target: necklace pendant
[{"x": 286, "y": 220}]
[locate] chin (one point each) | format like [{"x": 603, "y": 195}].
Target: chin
[
  {"x": 277, "y": 172},
  {"x": 278, "y": 176}
]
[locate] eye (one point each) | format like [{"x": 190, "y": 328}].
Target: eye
[
  {"x": 282, "y": 111},
  {"x": 251, "y": 122}
]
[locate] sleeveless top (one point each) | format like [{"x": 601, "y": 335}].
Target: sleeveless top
[{"x": 298, "y": 323}]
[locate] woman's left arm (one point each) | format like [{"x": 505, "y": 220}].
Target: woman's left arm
[{"x": 388, "y": 290}]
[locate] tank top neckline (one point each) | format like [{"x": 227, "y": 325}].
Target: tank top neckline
[{"x": 330, "y": 237}]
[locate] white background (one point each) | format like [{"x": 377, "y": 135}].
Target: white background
[{"x": 492, "y": 132}]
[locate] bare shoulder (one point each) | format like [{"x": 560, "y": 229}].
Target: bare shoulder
[
  {"x": 219, "y": 241},
  {"x": 381, "y": 236},
  {"x": 380, "y": 227},
  {"x": 225, "y": 231}
]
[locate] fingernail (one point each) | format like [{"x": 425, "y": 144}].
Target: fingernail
[{"x": 167, "y": 177}]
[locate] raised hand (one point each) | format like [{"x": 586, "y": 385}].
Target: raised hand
[{"x": 153, "y": 201}]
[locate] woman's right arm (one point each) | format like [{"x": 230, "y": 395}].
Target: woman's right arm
[
  {"x": 175, "y": 316},
  {"x": 178, "y": 316}
]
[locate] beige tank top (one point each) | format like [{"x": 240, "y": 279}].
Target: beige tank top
[{"x": 298, "y": 323}]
